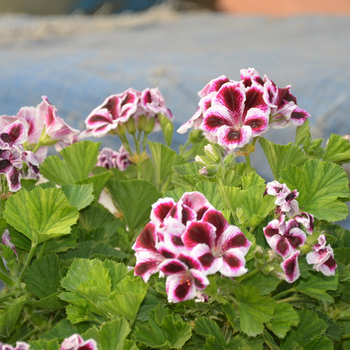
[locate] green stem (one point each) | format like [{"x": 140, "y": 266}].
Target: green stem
[
  {"x": 345, "y": 337},
  {"x": 29, "y": 259},
  {"x": 250, "y": 274},
  {"x": 42, "y": 250},
  {"x": 290, "y": 299},
  {"x": 125, "y": 143},
  {"x": 28, "y": 335},
  {"x": 247, "y": 160},
  {"x": 184, "y": 147},
  {"x": 9, "y": 295},
  {"x": 6, "y": 279},
  {"x": 38, "y": 145},
  {"x": 137, "y": 144},
  {"x": 292, "y": 290}
]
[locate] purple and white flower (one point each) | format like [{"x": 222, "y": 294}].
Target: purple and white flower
[
  {"x": 284, "y": 237},
  {"x": 6, "y": 240},
  {"x": 322, "y": 257},
  {"x": 237, "y": 114},
  {"x": 184, "y": 277},
  {"x": 20, "y": 345},
  {"x": 76, "y": 342},
  {"x": 109, "y": 158}
]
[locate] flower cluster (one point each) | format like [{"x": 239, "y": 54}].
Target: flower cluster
[
  {"x": 109, "y": 158},
  {"x": 32, "y": 129},
  {"x": 285, "y": 237},
  {"x": 231, "y": 113},
  {"x": 186, "y": 241},
  {"x": 74, "y": 342},
  {"x": 129, "y": 109}
]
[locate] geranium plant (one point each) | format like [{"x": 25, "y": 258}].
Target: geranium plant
[{"x": 146, "y": 247}]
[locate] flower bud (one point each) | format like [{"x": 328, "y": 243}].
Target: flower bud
[
  {"x": 212, "y": 153},
  {"x": 196, "y": 136},
  {"x": 210, "y": 170},
  {"x": 120, "y": 130},
  {"x": 202, "y": 160},
  {"x": 130, "y": 126},
  {"x": 150, "y": 125},
  {"x": 229, "y": 160},
  {"x": 141, "y": 122}
]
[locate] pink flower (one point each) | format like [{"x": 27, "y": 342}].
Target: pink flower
[
  {"x": 184, "y": 277},
  {"x": 56, "y": 128},
  {"x": 285, "y": 198},
  {"x": 217, "y": 245},
  {"x": 322, "y": 257},
  {"x": 109, "y": 158},
  {"x": 115, "y": 110},
  {"x": 236, "y": 115},
  {"x": 284, "y": 237},
  {"x": 6, "y": 240},
  {"x": 76, "y": 342},
  {"x": 20, "y": 345}
]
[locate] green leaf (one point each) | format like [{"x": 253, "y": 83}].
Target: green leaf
[
  {"x": 254, "y": 310},
  {"x": 111, "y": 336},
  {"x": 127, "y": 298},
  {"x": 177, "y": 193},
  {"x": 280, "y": 156},
  {"x": 303, "y": 132},
  {"x": 55, "y": 169},
  {"x": 342, "y": 255},
  {"x": 337, "y": 150},
  {"x": 43, "y": 344},
  {"x": 242, "y": 342},
  {"x": 317, "y": 285},
  {"x": 207, "y": 327},
  {"x": 265, "y": 283},
  {"x": 252, "y": 179},
  {"x": 310, "y": 327},
  {"x": 77, "y": 164},
  {"x": 134, "y": 198},
  {"x": 319, "y": 343},
  {"x": 81, "y": 157},
  {"x": 319, "y": 185},
  {"x": 52, "y": 303},
  {"x": 10, "y": 315},
  {"x": 40, "y": 214},
  {"x": 46, "y": 269},
  {"x": 164, "y": 159},
  {"x": 79, "y": 196},
  {"x": 167, "y": 128},
  {"x": 284, "y": 318},
  {"x": 187, "y": 175},
  {"x": 98, "y": 182},
  {"x": 91, "y": 250},
  {"x": 63, "y": 329},
  {"x": 210, "y": 191},
  {"x": 163, "y": 331}
]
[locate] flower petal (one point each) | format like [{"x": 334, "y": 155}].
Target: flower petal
[
  {"x": 180, "y": 287},
  {"x": 199, "y": 233},
  {"x": 233, "y": 263},
  {"x": 233, "y": 138},
  {"x": 233, "y": 237},
  {"x": 290, "y": 267}
]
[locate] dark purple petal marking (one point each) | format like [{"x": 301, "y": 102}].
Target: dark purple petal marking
[
  {"x": 197, "y": 233},
  {"x": 254, "y": 99},
  {"x": 331, "y": 263},
  {"x": 173, "y": 267},
  {"x": 146, "y": 238},
  {"x": 213, "y": 122},
  {"x": 255, "y": 124},
  {"x": 232, "y": 261},
  {"x": 233, "y": 135},
  {"x": 295, "y": 241},
  {"x": 177, "y": 241},
  {"x": 5, "y": 137},
  {"x": 282, "y": 247},
  {"x": 96, "y": 118},
  {"x": 15, "y": 132},
  {"x": 110, "y": 104},
  {"x": 290, "y": 266},
  {"x": 269, "y": 231},
  {"x": 231, "y": 97},
  {"x": 142, "y": 268},
  {"x": 198, "y": 283},
  {"x": 300, "y": 114},
  {"x": 5, "y": 165},
  {"x": 182, "y": 289},
  {"x": 236, "y": 242},
  {"x": 215, "y": 218},
  {"x": 206, "y": 260},
  {"x": 162, "y": 210},
  {"x": 191, "y": 263}
]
